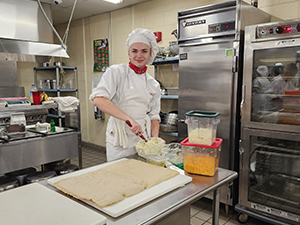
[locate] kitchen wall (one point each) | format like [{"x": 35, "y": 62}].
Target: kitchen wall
[{"x": 156, "y": 15}]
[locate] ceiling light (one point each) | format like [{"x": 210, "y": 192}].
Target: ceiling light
[{"x": 114, "y": 1}]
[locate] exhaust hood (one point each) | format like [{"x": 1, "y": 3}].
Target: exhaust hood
[{"x": 25, "y": 34}]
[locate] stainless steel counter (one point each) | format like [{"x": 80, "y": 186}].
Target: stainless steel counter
[
  {"x": 38, "y": 150},
  {"x": 174, "y": 207}
]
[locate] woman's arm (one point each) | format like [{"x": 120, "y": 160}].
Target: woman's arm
[
  {"x": 154, "y": 128},
  {"x": 106, "y": 106}
]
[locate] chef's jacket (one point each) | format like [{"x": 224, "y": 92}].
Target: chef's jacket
[{"x": 138, "y": 95}]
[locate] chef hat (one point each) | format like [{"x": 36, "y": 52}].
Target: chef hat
[
  {"x": 144, "y": 36},
  {"x": 263, "y": 71}
]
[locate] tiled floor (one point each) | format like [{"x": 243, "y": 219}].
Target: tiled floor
[{"x": 201, "y": 211}]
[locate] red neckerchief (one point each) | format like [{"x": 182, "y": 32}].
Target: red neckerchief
[{"x": 137, "y": 70}]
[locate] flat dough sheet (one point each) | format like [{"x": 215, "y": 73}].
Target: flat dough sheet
[{"x": 115, "y": 182}]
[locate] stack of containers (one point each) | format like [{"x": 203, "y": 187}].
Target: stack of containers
[{"x": 201, "y": 149}]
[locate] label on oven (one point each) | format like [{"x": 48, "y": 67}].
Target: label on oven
[
  {"x": 192, "y": 23},
  {"x": 183, "y": 56},
  {"x": 275, "y": 212},
  {"x": 285, "y": 42}
]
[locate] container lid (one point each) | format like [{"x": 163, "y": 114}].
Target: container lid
[
  {"x": 216, "y": 144},
  {"x": 202, "y": 114}
]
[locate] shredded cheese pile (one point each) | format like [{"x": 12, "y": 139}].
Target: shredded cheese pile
[{"x": 200, "y": 165}]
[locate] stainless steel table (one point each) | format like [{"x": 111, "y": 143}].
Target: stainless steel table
[{"x": 174, "y": 207}]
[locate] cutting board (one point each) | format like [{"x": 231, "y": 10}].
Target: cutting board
[
  {"x": 35, "y": 204},
  {"x": 134, "y": 201}
]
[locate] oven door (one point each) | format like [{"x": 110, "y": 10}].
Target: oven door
[
  {"x": 269, "y": 175},
  {"x": 271, "y": 84}
]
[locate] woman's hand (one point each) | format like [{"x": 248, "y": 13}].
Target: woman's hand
[{"x": 135, "y": 127}]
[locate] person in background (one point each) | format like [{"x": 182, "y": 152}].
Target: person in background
[
  {"x": 259, "y": 86},
  {"x": 282, "y": 82},
  {"x": 127, "y": 92},
  {"x": 285, "y": 81}
]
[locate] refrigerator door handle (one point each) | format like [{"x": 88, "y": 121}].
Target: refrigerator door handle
[
  {"x": 241, "y": 150},
  {"x": 243, "y": 98},
  {"x": 234, "y": 64}
]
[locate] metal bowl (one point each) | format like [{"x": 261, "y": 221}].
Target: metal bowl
[{"x": 171, "y": 118}]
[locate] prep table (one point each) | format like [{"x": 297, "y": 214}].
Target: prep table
[{"x": 174, "y": 207}]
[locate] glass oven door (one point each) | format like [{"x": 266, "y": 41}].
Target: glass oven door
[
  {"x": 272, "y": 79},
  {"x": 270, "y": 175}
]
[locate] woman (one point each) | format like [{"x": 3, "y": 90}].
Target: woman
[{"x": 128, "y": 92}]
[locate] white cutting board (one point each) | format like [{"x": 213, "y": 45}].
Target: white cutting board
[
  {"x": 134, "y": 201},
  {"x": 35, "y": 204}
]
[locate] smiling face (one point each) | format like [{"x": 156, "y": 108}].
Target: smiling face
[{"x": 139, "y": 54}]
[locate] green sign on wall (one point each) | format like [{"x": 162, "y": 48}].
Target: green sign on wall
[{"x": 101, "y": 57}]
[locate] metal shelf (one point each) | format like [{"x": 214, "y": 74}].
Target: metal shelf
[
  {"x": 175, "y": 134},
  {"x": 169, "y": 60},
  {"x": 56, "y": 116},
  {"x": 169, "y": 97},
  {"x": 61, "y": 90},
  {"x": 54, "y": 67}
]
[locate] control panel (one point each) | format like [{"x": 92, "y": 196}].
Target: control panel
[
  {"x": 221, "y": 27},
  {"x": 269, "y": 31}
]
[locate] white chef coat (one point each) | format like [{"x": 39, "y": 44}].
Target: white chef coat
[
  {"x": 259, "y": 99},
  {"x": 138, "y": 95},
  {"x": 278, "y": 85}
]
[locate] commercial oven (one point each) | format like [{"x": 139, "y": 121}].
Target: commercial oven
[
  {"x": 210, "y": 42},
  {"x": 270, "y": 135}
]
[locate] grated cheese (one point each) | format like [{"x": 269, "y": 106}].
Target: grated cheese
[{"x": 200, "y": 165}]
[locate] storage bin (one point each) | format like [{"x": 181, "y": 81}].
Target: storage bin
[
  {"x": 202, "y": 127},
  {"x": 156, "y": 159},
  {"x": 173, "y": 152},
  {"x": 153, "y": 146},
  {"x": 201, "y": 159}
]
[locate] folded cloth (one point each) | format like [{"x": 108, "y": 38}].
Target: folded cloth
[{"x": 67, "y": 104}]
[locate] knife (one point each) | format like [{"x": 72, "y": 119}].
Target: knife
[{"x": 142, "y": 136}]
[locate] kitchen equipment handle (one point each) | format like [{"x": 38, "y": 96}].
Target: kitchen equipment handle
[
  {"x": 241, "y": 150},
  {"x": 243, "y": 98},
  {"x": 181, "y": 120},
  {"x": 234, "y": 64},
  {"x": 142, "y": 136}
]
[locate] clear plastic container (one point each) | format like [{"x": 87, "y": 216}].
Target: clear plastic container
[
  {"x": 156, "y": 159},
  {"x": 202, "y": 127},
  {"x": 201, "y": 159},
  {"x": 153, "y": 146}
]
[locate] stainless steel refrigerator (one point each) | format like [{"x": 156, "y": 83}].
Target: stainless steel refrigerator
[{"x": 210, "y": 42}]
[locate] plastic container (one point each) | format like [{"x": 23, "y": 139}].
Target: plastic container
[
  {"x": 153, "y": 146},
  {"x": 156, "y": 159},
  {"x": 202, "y": 127},
  {"x": 201, "y": 159},
  {"x": 173, "y": 152},
  {"x": 292, "y": 92}
]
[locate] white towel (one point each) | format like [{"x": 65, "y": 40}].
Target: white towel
[{"x": 67, "y": 104}]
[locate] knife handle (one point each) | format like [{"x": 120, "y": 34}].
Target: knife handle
[{"x": 128, "y": 123}]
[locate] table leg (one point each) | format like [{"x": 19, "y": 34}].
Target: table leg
[{"x": 216, "y": 207}]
